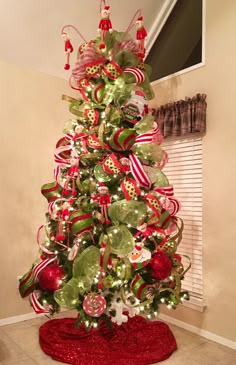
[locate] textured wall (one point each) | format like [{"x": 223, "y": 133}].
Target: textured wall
[{"x": 32, "y": 117}]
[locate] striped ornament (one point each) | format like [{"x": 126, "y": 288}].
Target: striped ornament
[
  {"x": 140, "y": 265},
  {"x": 27, "y": 284},
  {"x": 51, "y": 191},
  {"x": 139, "y": 287},
  {"x": 122, "y": 139},
  {"x": 139, "y": 76},
  {"x": 81, "y": 222}
]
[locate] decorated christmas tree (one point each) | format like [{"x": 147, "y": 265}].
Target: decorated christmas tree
[{"x": 108, "y": 248}]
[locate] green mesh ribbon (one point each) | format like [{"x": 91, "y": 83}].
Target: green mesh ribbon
[
  {"x": 85, "y": 268},
  {"x": 145, "y": 125},
  {"x": 157, "y": 177},
  {"x": 130, "y": 212},
  {"x": 120, "y": 240},
  {"x": 68, "y": 296},
  {"x": 150, "y": 151}
]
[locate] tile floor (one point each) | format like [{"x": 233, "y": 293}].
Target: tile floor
[{"x": 19, "y": 346}]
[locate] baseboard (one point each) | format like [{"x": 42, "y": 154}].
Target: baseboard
[
  {"x": 209, "y": 335},
  {"x": 20, "y": 318}
]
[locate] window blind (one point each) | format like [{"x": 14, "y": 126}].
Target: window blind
[{"x": 184, "y": 171}]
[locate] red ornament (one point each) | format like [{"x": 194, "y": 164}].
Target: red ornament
[
  {"x": 50, "y": 276},
  {"x": 160, "y": 265}
]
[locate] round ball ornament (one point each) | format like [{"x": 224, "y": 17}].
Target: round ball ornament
[
  {"x": 122, "y": 139},
  {"x": 94, "y": 305},
  {"x": 50, "y": 277},
  {"x": 160, "y": 266},
  {"x": 89, "y": 185}
]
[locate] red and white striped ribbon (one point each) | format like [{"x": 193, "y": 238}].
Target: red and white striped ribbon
[
  {"x": 168, "y": 193},
  {"x": 138, "y": 74},
  {"x": 165, "y": 190},
  {"x": 138, "y": 172},
  {"x": 63, "y": 162},
  {"x": 148, "y": 137},
  {"x": 37, "y": 306},
  {"x": 57, "y": 175},
  {"x": 41, "y": 265},
  {"x": 44, "y": 249}
]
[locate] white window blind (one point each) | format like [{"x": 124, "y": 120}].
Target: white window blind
[{"x": 184, "y": 171}]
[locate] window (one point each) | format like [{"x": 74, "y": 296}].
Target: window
[
  {"x": 184, "y": 171},
  {"x": 179, "y": 44}
]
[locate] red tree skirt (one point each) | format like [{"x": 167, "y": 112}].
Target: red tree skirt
[{"x": 136, "y": 342}]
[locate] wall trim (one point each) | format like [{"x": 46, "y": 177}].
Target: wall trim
[
  {"x": 20, "y": 318},
  {"x": 206, "y": 334}
]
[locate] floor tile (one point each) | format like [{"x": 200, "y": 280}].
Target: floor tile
[
  {"x": 186, "y": 340},
  {"x": 25, "y": 335},
  {"x": 9, "y": 351},
  {"x": 45, "y": 360},
  {"x": 210, "y": 354},
  {"x": 27, "y": 361}
]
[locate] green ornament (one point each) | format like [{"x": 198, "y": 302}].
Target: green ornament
[
  {"x": 89, "y": 185},
  {"x": 130, "y": 212},
  {"x": 100, "y": 174}
]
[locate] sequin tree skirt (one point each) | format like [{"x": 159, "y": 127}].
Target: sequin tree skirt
[{"x": 136, "y": 342}]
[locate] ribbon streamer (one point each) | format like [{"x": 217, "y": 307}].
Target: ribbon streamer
[
  {"x": 138, "y": 171},
  {"x": 37, "y": 306},
  {"x": 148, "y": 137},
  {"x": 43, "y": 249}
]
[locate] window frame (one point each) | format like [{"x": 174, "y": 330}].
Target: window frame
[{"x": 156, "y": 29}]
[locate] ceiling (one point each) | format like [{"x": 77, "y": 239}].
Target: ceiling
[{"x": 31, "y": 30}]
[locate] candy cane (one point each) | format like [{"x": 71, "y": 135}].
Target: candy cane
[{"x": 132, "y": 23}]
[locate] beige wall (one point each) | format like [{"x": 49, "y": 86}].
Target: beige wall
[
  {"x": 32, "y": 117},
  {"x": 217, "y": 79}
]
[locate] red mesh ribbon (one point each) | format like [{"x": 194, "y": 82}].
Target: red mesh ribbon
[{"x": 136, "y": 342}]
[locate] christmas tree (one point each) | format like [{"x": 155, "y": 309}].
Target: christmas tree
[{"x": 108, "y": 248}]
